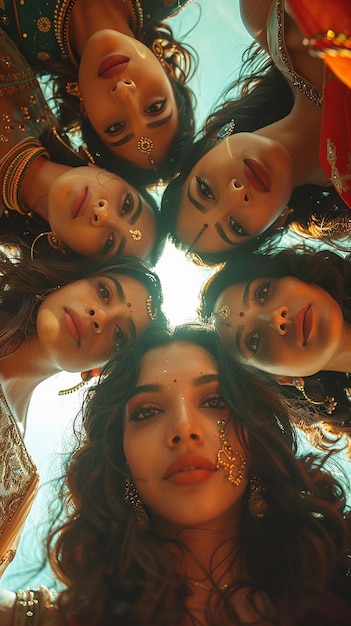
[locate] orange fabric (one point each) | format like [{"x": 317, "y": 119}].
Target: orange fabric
[
  {"x": 335, "y": 141},
  {"x": 315, "y": 18}
]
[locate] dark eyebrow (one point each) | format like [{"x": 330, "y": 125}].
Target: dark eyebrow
[
  {"x": 120, "y": 142},
  {"x": 196, "y": 204},
  {"x": 146, "y": 388},
  {"x": 156, "y": 123},
  {"x": 119, "y": 288},
  {"x": 197, "y": 382},
  {"x": 245, "y": 300},
  {"x": 136, "y": 214},
  {"x": 223, "y": 236},
  {"x": 206, "y": 378}
]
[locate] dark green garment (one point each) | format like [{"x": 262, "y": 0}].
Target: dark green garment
[{"x": 30, "y": 24}]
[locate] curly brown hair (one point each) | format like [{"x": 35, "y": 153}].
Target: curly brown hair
[{"x": 117, "y": 572}]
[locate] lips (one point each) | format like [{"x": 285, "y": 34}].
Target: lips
[
  {"x": 189, "y": 469},
  {"x": 80, "y": 203},
  {"x": 112, "y": 65},
  {"x": 73, "y": 325},
  {"x": 257, "y": 176},
  {"x": 303, "y": 324}
]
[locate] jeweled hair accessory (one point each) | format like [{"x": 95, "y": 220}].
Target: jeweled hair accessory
[
  {"x": 232, "y": 462},
  {"x": 136, "y": 234},
  {"x": 224, "y": 312},
  {"x": 151, "y": 313},
  {"x": 146, "y": 145},
  {"x": 226, "y": 130}
]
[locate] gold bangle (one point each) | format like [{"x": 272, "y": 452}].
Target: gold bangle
[{"x": 15, "y": 166}]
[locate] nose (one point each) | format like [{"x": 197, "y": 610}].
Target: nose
[
  {"x": 279, "y": 319},
  {"x": 124, "y": 88},
  {"x": 239, "y": 191},
  {"x": 185, "y": 428},
  {"x": 99, "y": 318},
  {"x": 101, "y": 213}
]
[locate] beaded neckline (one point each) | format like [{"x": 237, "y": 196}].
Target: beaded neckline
[
  {"x": 62, "y": 12},
  {"x": 309, "y": 90}
]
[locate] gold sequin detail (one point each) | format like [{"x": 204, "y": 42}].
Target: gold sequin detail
[
  {"x": 43, "y": 56},
  {"x": 43, "y": 24},
  {"x": 338, "y": 179}
]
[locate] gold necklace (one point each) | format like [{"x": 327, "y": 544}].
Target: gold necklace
[
  {"x": 137, "y": 14},
  {"x": 62, "y": 12}
]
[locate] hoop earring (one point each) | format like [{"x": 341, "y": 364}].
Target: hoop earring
[
  {"x": 258, "y": 506},
  {"x": 86, "y": 377},
  {"x": 329, "y": 402},
  {"x": 131, "y": 496},
  {"x": 55, "y": 242}
]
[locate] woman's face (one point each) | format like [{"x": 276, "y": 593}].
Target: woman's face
[
  {"x": 239, "y": 188},
  {"x": 171, "y": 438},
  {"x": 100, "y": 215},
  {"x": 283, "y": 326},
  {"x": 127, "y": 96},
  {"x": 81, "y": 325}
]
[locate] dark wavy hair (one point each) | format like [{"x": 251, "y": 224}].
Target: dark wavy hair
[
  {"x": 183, "y": 61},
  {"x": 325, "y": 268},
  {"x": 23, "y": 281},
  {"x": 259, "y": 97},
  {"x": 116, "y": 572}
]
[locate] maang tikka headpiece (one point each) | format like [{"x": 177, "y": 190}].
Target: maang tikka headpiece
[{"x": 146, "y": 145}]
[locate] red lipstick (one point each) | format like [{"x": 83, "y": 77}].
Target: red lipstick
[
  {"x": 112, "y": 65},
  {"x": 189, "y": 469},
  {"x": 257, "y": 176}
]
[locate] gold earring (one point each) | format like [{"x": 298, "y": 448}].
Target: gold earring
[
  {"x": 232, "y": 462},
  {"x": 329, "y": 402},
  {"x": 86, "y": 377},
  {"x": 151, "y": 313},
  {"x": 158, "y": 50},
  {"x": 131, "y": 495},
  {"x": 72, "y": 89},
  {"x": 136, "y": 234},
  {"x": 258, "y": 506},
  {"x": 55, "y": 242}
]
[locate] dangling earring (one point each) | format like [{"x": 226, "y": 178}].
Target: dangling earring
[
  {"x": 72, "y": 89},
  {"x": 86, "y": 377},
  {"x": 55, "y": 242},
  {"x": 158, "y": 50},
  {"x": 131, "y": 495},
  {"x": 232, "y": 462},
  {"x": 258, "y": 507},
  {"x": 329, "y": 402},
  {"x": 226, "y": 130}
]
